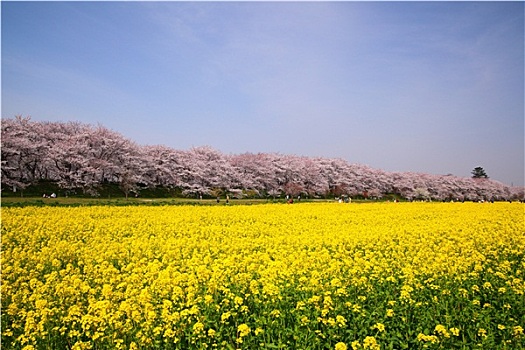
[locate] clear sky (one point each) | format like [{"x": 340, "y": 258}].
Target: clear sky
[{"x": 435, "y": 87}]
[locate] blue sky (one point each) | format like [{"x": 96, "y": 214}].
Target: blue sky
[{"x": 434, "y": 87}]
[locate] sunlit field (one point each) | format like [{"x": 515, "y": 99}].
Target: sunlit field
[{"x": 307, "y": 276}]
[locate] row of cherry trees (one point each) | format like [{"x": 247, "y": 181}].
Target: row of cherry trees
[{"x": 81, "y": 156}]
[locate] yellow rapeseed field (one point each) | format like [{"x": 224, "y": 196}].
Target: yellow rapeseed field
[{"x": 307, "y": 276}]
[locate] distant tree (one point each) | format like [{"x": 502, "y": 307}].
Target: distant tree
[{"x": 479, "y": 173}]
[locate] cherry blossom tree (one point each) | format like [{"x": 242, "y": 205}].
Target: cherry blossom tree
[
  {"x": 254, "y": 172},
  {"x": 68, "y": 156},
  {"x": 23, "y": 152},
  {"x": 83, "y": 157},
  {"x": 517, "y": 193},
  {"x": 205, "y": 171},
  {"x": 164, "y": 166}
]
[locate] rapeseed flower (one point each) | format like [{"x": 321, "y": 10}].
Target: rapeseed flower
[
  {"x": 132, "y": 277},
  {"x": 482, "y": 332},
  {"x": 442, "y": 330},
  {"x": 340, "y": 346},
  {"x": 371, "y": 343},
  {"x": 198, "y": 327},
  {"x": 427, "y": 338},
  {"x": 379, "y": 326}
]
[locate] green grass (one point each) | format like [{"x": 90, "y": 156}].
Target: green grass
[
  {"x": 78, "y": 201},
  {"x": 121, "y": 201},
  {"x": 108, "y": 190},
  {"x": 110, "y": 194}
]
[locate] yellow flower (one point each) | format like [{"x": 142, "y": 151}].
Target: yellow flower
[
  {"x": 275, "y": 313},
  {"x": 340, "y": 346},
  {"x": 371, "y": 343},
  {"x": 198, "y": 327},
  {"x": 427, "y": 338},
  {"x": 243, "y": 330},
  {"x": 238, "y": 301},
  {"x": 244, "y": 309},
  {"x": 341, "y": 321},
  {"x": 441, "y": 330},
  {"x": 304, "y": 320},
  {"x": 225, "y": 316},
  {"x": 379, "y": 326}
]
